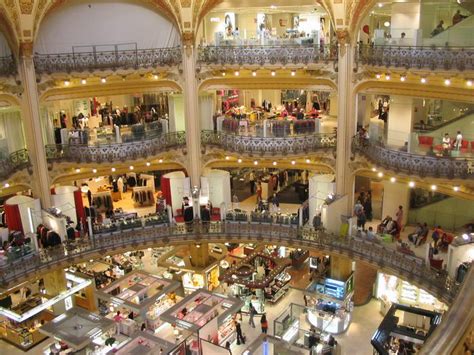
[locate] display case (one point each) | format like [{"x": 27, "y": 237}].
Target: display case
[{"x": 226, "y": 332}]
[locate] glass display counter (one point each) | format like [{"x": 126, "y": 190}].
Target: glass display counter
[{"x": 334, "y": 323}]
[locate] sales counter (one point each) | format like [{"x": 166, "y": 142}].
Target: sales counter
[
  {"x": 334, "y": 323},
  {"x": 143, "y": 344}
]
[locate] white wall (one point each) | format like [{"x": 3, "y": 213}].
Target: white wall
[
  {"x": 206, "y": 111},
  {"x": 458, "y": 255},
  {"x": 399, "y": 120},
  {"x": 394, "y": 195},
  {"x": 4, "y": 47},
  {"x": 405, "y": 18},
  {"x": 81, "y": 23},
  {"x": 176, "y": 113}
]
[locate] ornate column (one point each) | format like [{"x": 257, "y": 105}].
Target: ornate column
[
  {"x": 346, "y": 120},
  {"x": 32, "y": 125},
  {"x": 191, "y": 109}
]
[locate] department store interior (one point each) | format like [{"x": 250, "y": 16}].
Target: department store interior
[{"x": 241, "y": 178}]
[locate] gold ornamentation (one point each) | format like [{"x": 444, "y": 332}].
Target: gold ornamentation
[
  {"x": 26, "y": 7},
  {"x": 26, "y": 49}
]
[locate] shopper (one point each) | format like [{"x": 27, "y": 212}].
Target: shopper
[
  {"x": 368, "y": 206},
  {"x": 438, "y": 29},
  {"x": 458, "y": 141},
  {"x": 238, "y": 330},
  {"x": 446, "y": 142},
  {"x": 252, "y": 182},
  {"x": 413, "y": 237},
  {"x": 264, "y": 323},
  {"x": 259, "y": 192},
  {"x": 275, "y": 203},
  {"x": 252, "y": 313},
  {"x": 235, "y": 202},
  {"x": 399, "y": 216}
]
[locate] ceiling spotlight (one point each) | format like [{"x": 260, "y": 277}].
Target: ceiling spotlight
[
  {"x": 379, "y": 4},
  {"x": 392, "y": 179},
  {"x": 83, "y": 81},
  {"x": 469, "y": 82},
  {"x": 456, "y": 188},
  {"x": 78, "y": 170},
  {"x": 227, "y": 158},
  {"x": 131, "y": 167},
  {"x": 6, "y": 185},
  {"x": 447, "y": 82},
  {"x": 386, "y": 24},
  {"x": 465, "y": 236},
  {"x": 308, "y": 161},
  {"x": 273, "y": 73},
  {"x": 293, "y": 162},
  {"x": 254, "y": 73},
  {"x": 113, "y": 169},
  {"x": 223, "y": 73},
  {"x": 378, "y": 76},
  {"x": 160, "y": 161},
  {"x": 433, "y": 187},
  {"x": 148, "y": 163},
  {"x": 94, "y": 170},
  {"x": 403, "y": 77},
  {"x": 293, "y": 73},
  {"x": 237, "y": 73},
  {"x": 374, "y": 169},
  {"x": 387, "y": 76},
  {"x": 155, "y": 76},
  {"x": 380, "y": 174},
  {"x": 423, "y": 80},
  {"x": 103, "y": 80},
  {"x": 274, "y": 163},
  {"x": 411, "y": 184},
  {"x": 239, "y": 160},
  {"x": 66, "y": 82},
  {"x": 255, "y": 162}
]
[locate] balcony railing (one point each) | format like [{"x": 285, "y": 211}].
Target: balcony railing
[
  {"x": 409, "y": 267},
  {"x": 99, "y": 153},
  {"x": 8, "y": 66},
  {"x": 269, "y": 146},
  {"x": 432, "y": 58},
  {"x": 14, "y": 162},
  {"x": 414, "y": 164},
  {"x": 267, "y": 54},
  {"x": 100, "y": 60}
]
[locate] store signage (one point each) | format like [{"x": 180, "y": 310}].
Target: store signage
[{"x": 183, "y": 324}]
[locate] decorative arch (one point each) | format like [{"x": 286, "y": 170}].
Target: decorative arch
[
  {"x": 7, "y": 29},
  {"x": 356, "y": 10},
  {"x": 10, "y": 99}
]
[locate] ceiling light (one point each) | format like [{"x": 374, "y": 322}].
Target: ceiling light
[
  {"x": 237, "y": 73},
  {"x": 7, "y": 184},
  {"x": 254, "y": 73},
  {"x": 379, "y": 4},
  {"x": 66, "y": 82},
  {"x": 392, "y": 179},
  {"x": 411, "y": 184},
  {"x": 308, "y": 161},
  {"x": 273, "y": 73},
  {"x": 113, "y": 169},
  {"x": 227, "y": 158},
  {"x": 255, "y": 162},
  {"x": 469, "y": 82},
  {"x": 433, "y": 187},
  {"x": 387, "y": 76},
  {"x": 131, "y": 167},
  {"x": 378, "y": 76},
  {"x": 423, "y": 80},
  {"x": 447, "y": 82},
  {"x": 403, "y": 77},
  {"x": 386, "y": 24},
  {"x": 148, "y": 163},
  {"x": 374, "y": 169},
  {"x": 103, "y": 80},
  {"x": 380, "y": 174},
  {"x": 83, "y": 81},
  {"x": 155, "y": 76},
  {"x": 223, "y": 73},
  {"x": 293, "y": 162},
  {"x": 78, "y": 170},
  {"x": 456, "y": 188},
  {"x": 215, "y": 19},
  {"x": 465, "y": 236},
  {"x": 239, "y": 160},
  {"x": 273, "y": 7},
  {"x": 274, "y": 163},
  {"x": 160, "y": 161},
  {"x": 94, "y": 170},
  {"x": 293, "y": 73}
]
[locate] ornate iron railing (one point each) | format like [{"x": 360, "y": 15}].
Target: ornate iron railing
[
  {"x": 269, "y": 146},
  {"x": 8, "y": 66},
  {"x": 117, "y": 151},
  {"x": 408, "y": 267},
  {"x": 267, "y": 54},
  {"x": 432, "y": 58},
  {"x": 14, "y": 162},
  {"x": 413, "y": 164},
  {"x": 99, "y": 60}
]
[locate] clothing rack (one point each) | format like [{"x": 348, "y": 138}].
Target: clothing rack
[
  {"x": 143, "y": 195},
  {"x": 103, "y": 201}
]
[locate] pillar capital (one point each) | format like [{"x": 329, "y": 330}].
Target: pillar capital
[{"x": 26, "y": 49}]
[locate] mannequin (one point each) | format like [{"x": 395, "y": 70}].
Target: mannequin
[{"x": 120, "y": 185}]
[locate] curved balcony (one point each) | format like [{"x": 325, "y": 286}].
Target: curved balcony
[
  {"x": 8, "y": 66},
  {"x": 15, "y": 161},
  {"x": 267, "y": 54},
  {"x": 385, "y": 258},
  {"x": 269, "y": 146},
  {"x": 148, "y": 145},
  {"x": 110, "y": 59},
  {"x": 431, "y": 58},
  {"x": 414, "y": 164}
]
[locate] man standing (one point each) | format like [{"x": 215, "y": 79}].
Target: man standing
[
  {"x": 252, "y": 312},
  {"x": 252, "y": 182}
]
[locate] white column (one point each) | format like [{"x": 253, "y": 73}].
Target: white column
[
  {"x": 32, "y": 125},
  {"x": 399, "y": 121},
  {"x": 191, "y": 109},
  {"x": 346, "y": 123},
  {"x": 394, "y": 195},
  {"x": 405, "y": 19}
]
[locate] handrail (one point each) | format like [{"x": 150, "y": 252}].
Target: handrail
[
  {"x": 412, "y": 164},
  {"x": 8, "y": 65},
  {"x": 14, "y": 162},
  {"x": 409, "y": 267},
  {"x": 124, "y": 59},
  {"x": 116, "y": 151},
  {"x": 270, "y": 145},
  {"x": 267, "y": 54},
  {"x": 418, "y": 57}
]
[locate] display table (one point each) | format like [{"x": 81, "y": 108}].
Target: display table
[{"x": 331, "y": 323}]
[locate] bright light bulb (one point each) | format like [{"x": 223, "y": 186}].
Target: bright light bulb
[
  {"x": 308, "y": 161},
  {"x": 131, "y": 167},
  {"x": 223, "y": 73},
  {"x": 148, "y": 163},
  {"x": 403, "y": 78},
  {"x": 274, "y": 163},
  {"x": 293, "y": 162},
  {"x": 239, "y": 160},
  {"x": 273, "y": 73},
  {"x": 423, "y": 80},
  {"x": 469, "y": 82},
  {"x": 387, "y": 76},
  {"x": 254, "y": 73},
  {"x": 433, "y": 187},
  {"x": 227, "y": 158},
  {"x": 447, "y": 82},
  {"x": 392, "y": 179},
  {"x": 456, "y": 188},
  {"x": 113, "y": 169},
  {"x": 83, "y": 81},
  {"x": 255, "y": 162},
  {"x": 380, "y": 174},
  {"x": 94, "y": 170},
  {"x": 237, "y": 73},
  {"x": 155, "y": 77},
  {"x": 78, "y": 170},
  {"x": 411, "y": 184},
  {"x": 374, "y": 169},
  {"x": 6, "y": 185},
  {"x": 160, "y": 161},
  {"x": 378, "y": 76},
  {"x": 293, "y": 73},
  {"x": 103, "y": 80},
  {"x": 379, "y": 4},
  {"x": 66, "y": 82}
]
